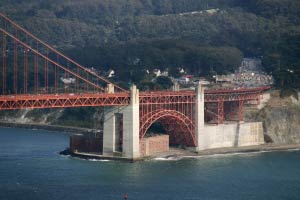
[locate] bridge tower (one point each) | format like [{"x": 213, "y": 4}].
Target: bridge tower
[
  {"x": 121, "y": 129},
  {"x": 199, "y": 116},
  {"x": 40, "y": 76}
]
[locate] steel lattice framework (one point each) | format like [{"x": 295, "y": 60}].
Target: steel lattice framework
[
  {"x": 174, "y": 110},
  {"x": 62, "y": 101},
  {"x": 32, "y": 72}
]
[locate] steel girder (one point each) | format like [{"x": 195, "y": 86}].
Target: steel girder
[
  {"x": 63, "y": 100},
  {"x": 183, "y": 122}
]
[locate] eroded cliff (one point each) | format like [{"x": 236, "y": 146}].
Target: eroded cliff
[{"x": 281, "y": 119}]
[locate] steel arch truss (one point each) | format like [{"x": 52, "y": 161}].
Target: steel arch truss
[
  {"x": 174, "y": 110},
  {"x": 180, "y": 127}
]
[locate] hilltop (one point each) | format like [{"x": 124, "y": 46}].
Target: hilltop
[{"x": 202, "y": 36}]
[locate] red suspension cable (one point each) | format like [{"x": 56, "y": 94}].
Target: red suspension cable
[
  {"x": 15, "y": 67},
  {"x": 3, "y": 63}
]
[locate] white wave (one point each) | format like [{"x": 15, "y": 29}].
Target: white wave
[
  {"x": 98, "y": 160},
  {"x": 218, "y": 155},
  {"x": 67, "y": 156},
  {"x": 293, "y": 150},
  {"x": 235, "y": 154},
  {"x": 168, "y": 158},
  {"x": 209, "y": 156},
  {"x": 248, "y": 153}
]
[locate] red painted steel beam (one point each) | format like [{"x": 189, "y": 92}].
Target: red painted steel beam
[
  {"x": 210, "y": 95},
  {"x": 241, "y": 110},
  {"x": 63, "y": 100},
  {"x": 153, "y": 99},
  {"x": 3, "y": 63},
  {"x": 220, "y": 112}
]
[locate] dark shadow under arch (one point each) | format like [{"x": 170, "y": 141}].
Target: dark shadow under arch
[{"x": 180, "y": 128}]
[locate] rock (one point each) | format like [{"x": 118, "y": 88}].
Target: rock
[{"x": 281, "y": 120}]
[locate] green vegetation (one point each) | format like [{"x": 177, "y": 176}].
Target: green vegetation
[{"x": 131, "y": 36}]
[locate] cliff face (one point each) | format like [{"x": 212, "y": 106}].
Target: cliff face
[
  {"x": 281, "y": 120},
  {"x": 282, "y": 125},
  {"x": 26, "y": 116},
  {"x": 80, "y": 117}
]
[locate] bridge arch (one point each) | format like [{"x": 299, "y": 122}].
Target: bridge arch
[{"x": 180, "y": 127}]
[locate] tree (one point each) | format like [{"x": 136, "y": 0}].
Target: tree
[{"x": 164, "y": 82}]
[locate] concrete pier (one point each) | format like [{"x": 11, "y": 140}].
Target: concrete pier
[
  {"x": 110, "y": 88},
  {"x": 131, "y": 126},
  {"x": 130, "y": 129},
  {"x": 125, "y": 122},
  {"x": 109, "y": 133},
  {"x": 199, "y": 116},
  {"x": 235, "y": 134},
  {"x": 232, "y": 135}
]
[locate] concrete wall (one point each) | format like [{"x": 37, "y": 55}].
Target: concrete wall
[
  {"x": 153, "y": 145},
  {"x": 111, "y": 130},
  {"x": 86, "y": 143},
  {"x": 131, "y": 122},
  {"x": 207, "y": 136},
  {"x": 131, "y": 126},
  {"x": 199, "y": 116},
  {"x": 232, "y": 135}
]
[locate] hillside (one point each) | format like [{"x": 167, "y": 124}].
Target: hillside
[
  {"x": 133, "y": 35},
  {"x": 204, "y": 37}
]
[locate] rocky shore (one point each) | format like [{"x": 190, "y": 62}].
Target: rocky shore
[{"x": 66, "y": 129}]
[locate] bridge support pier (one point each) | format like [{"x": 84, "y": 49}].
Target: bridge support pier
[
  {"x": 129, "y": 115},
  {"x": 131, "y": 126},
  {"x": 111, "y": 132},
  {"x": 199, "y": 117},
  {"x": 110, "y": 89}
]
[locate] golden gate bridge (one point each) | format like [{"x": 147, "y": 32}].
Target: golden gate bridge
[{"x": 31, "y": 73}]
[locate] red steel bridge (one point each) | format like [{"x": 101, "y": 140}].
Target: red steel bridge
[{"x": 36, "y": 75}]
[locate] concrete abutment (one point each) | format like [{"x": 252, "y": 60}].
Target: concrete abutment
[
  {"x": 129, "y": 115},
  {"x": 125, "y": 121}
]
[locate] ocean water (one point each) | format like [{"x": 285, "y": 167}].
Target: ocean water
[{"x": 31, "y": 168}]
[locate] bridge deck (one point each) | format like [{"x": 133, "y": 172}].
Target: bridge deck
[
  {"x": 9, "y": 102},
  {"x": 62, "y": 100}
]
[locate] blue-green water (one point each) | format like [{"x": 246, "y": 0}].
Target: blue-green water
[{"x": 30, "y": 168}]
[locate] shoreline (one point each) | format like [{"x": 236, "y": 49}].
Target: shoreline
[
  {"x": 55, "y": 128},
  {"x": 264, "y": 148},
  {"x": 177, "y": 154},
  {"x": 173, "y": 154}
]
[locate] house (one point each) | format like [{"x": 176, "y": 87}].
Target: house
[
  {"x": 68, "y": 80},
  {"x": 158, "y": 73},
  {"x": 185, "y": 79},
  {"x": 111, "y": 73}
]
